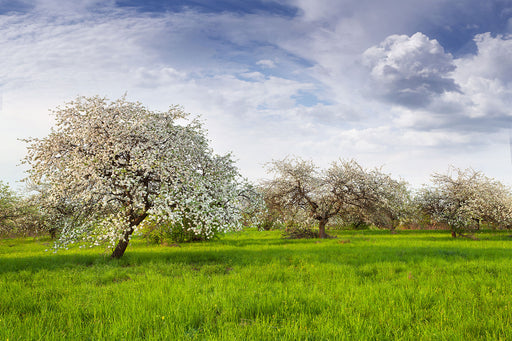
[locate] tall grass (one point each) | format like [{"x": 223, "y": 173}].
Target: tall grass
[{"x": 416, "y": 285}]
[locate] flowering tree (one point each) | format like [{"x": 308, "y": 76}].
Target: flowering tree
[
  {"x": 391, "y": 202},
  {"x": 302, "y": 190},
  {"x": 298, "y": 187},
  {"x": 369, "y": 195},
  {"x": 466, "y": 199},
  {"x": 114, "y": 165},
  {"x": 252, "y": 204}
]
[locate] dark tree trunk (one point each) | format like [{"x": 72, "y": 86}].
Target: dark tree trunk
[
  {"x": 122, "y": 244},
  {"x": 321, "y": 229},
  {"x": 454, "y": 234}
]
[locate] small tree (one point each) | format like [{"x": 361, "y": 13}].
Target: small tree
[
  {"x": 118, "y": 163},
  {"x": 466, "y": 199},
  {"x": 391, "y": 204},
  {"x": 252, "y": 203},
  {"x": 19, "y": 215}
]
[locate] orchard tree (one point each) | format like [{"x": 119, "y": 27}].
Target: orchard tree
[
  {"x": 298, "y": 186},
  {"x": 466, "y": 199},
  {"x": 344, "y": 188},
  {"x": 252, "y": 204},
  {"x": 54, "y": 215},
  {"x": 112, "y": 165},
  {"x": 392, "y": 201},
  {"x": 19, "y": 215}
]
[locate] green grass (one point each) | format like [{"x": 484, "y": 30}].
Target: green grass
[{"x": 364, "y": 285}]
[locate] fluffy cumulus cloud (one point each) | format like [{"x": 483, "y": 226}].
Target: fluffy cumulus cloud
[
  {"x": 430, "y": 90},
  {"x": 492, "y": 60},
  {"x": 410, "y": 70},
  {"x": 486, "y": 78}
]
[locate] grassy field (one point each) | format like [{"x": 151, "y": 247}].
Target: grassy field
[{"x": 364, "y": 285}]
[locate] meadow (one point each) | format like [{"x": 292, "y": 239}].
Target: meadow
[{"x": 250, "y": 285}]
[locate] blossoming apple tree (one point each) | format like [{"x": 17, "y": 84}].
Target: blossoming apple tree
[
  {"x": 464, "y": 200},
  {"x": 343, "y": 189},
  {"x": 117, "y": 165}
]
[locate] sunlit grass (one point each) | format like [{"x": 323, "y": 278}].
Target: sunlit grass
[{"x": 256, "y": 286}]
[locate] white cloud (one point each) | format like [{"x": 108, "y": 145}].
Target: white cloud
[
  {"x": 486, "y": 79},
  {"x": 410, "y": 70},
  {"x": 492, "y": 60},
  {"x": 486, "y": 84},
  {"x": 266, "y": 63},
  {"x": 436, "y": 92}
]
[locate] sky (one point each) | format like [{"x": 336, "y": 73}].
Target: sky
[{"x": 411, "y": 86}]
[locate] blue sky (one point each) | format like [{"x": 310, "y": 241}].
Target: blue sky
[{"x": 413, "y": 86}]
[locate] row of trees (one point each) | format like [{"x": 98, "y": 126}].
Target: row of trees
[
  {"x": 299, "y": 195},
  {"x": 348, "y": 194},
  {"x": 109, "y": 169}
]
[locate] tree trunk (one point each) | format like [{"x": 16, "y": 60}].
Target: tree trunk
[
  {"x": 321, "y": 229},
  {"x": 123, "y": 242},
  {"x": 454, "y": 234}
]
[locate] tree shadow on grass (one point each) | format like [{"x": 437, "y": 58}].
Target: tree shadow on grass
[{"x": 246, "y": 253}]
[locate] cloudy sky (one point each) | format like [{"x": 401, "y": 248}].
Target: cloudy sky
[{"x": 410, "y": 85}]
